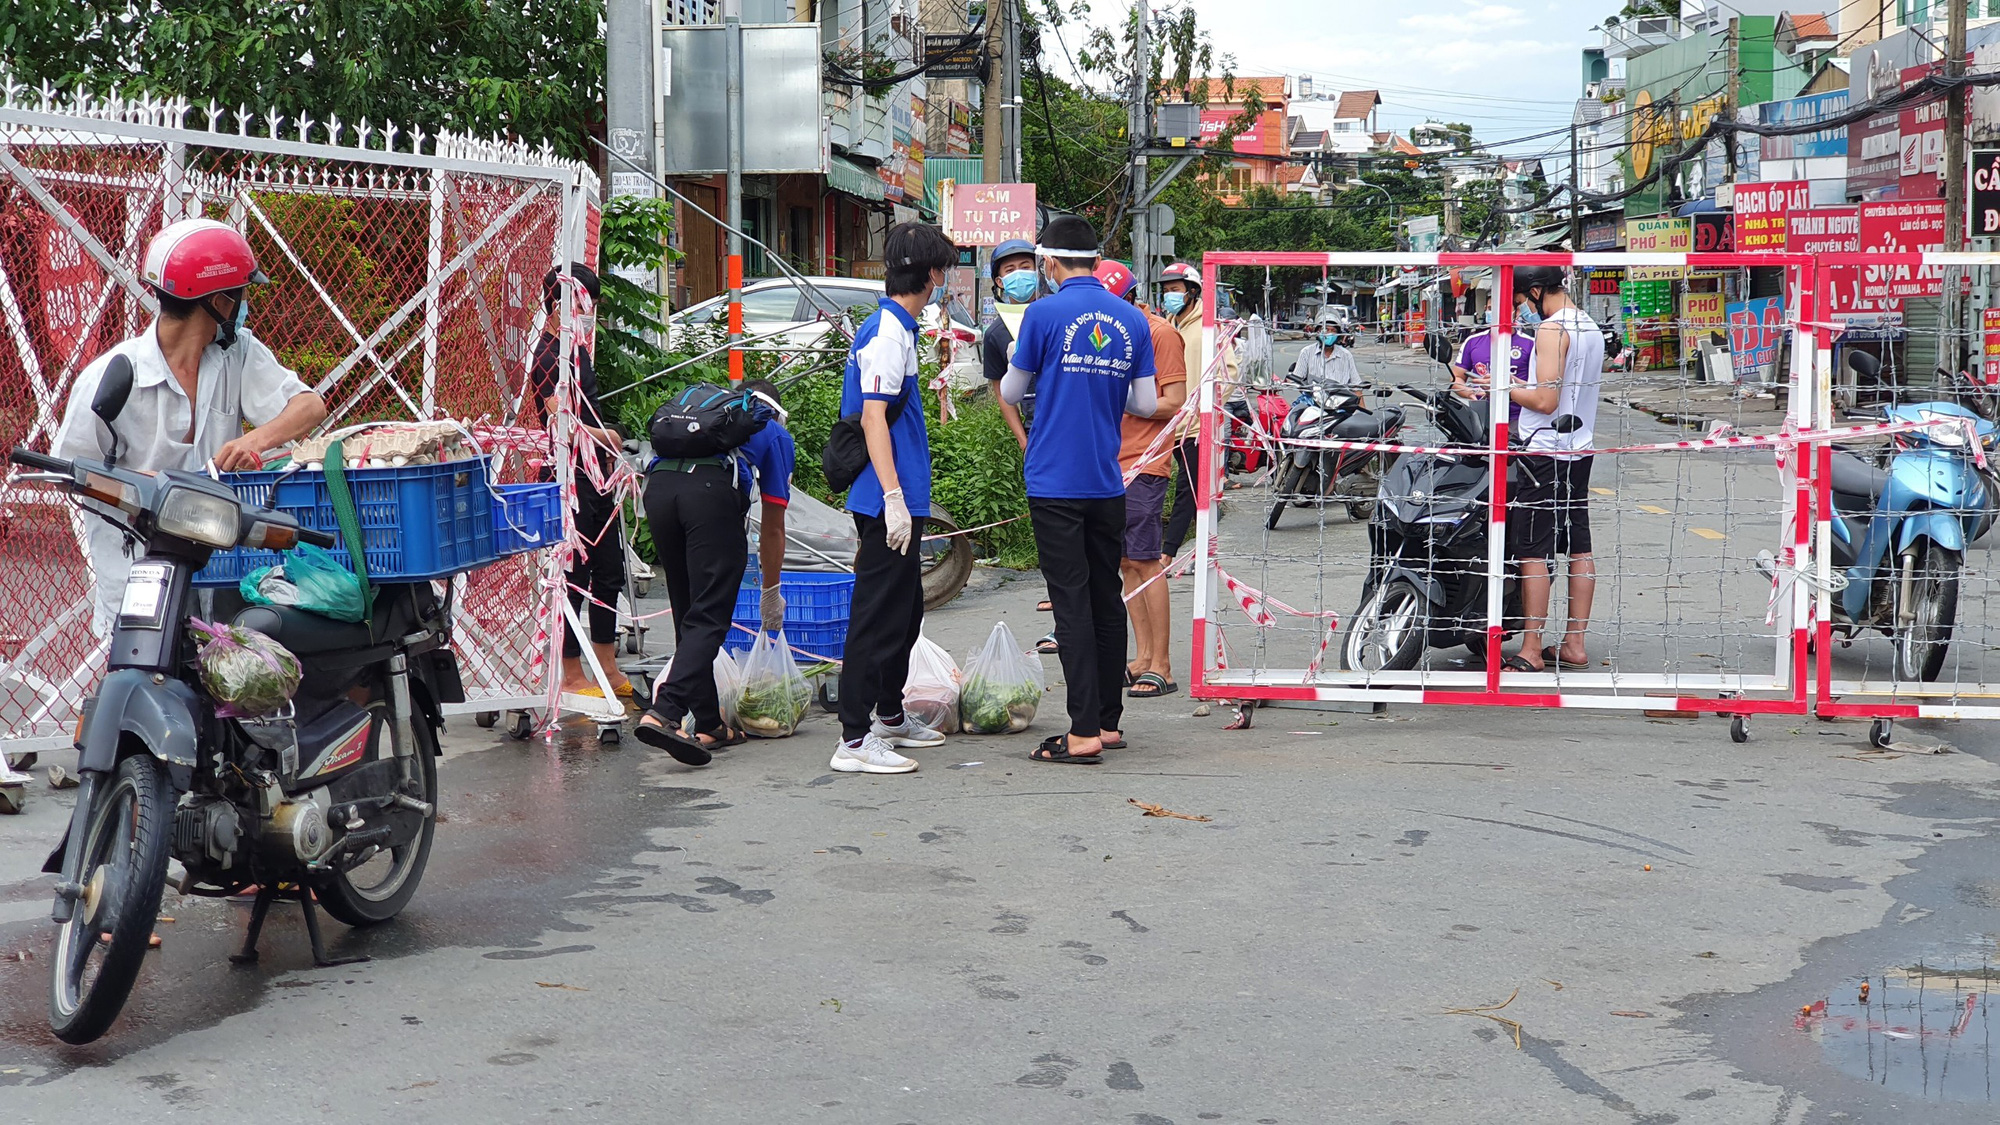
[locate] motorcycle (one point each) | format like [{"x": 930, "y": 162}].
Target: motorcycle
[
  {"x": 1427, "y": 544},
  {"x": 1244, "y": 447},
  {"x": 1900, "y": 533},
  {"x": 1311, "y": 477},
  {"x": 331, "y": 803}
]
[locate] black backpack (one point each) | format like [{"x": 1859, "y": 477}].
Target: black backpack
[
  {"x": 846, "y": 452},
  {"x": 706, "y": 421}
]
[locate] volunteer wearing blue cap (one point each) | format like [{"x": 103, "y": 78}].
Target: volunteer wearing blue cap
[
  {"x": 1015, "y": 283},
  {"x": 1090, "y": 356}
]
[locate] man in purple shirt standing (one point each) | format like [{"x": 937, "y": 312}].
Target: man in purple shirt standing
[{"x": 1471, "y": 372}]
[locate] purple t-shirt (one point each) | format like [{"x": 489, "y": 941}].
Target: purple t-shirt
[{"x": 1476, "y": 356}]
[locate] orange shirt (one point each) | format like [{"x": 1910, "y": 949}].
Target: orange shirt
[{"x": 1136, "y": 435}]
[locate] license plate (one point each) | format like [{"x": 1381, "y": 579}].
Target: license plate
[{"x": 145, "y": 590}]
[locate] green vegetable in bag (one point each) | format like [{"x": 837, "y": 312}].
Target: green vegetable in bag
[
  {"x": 309, "y": 578},
  {"x": 248, "y": 674},
  {"x": 775, "y": 694},
  {"x": 1003, "y": 686}
]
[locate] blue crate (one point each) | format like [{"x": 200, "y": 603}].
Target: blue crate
[
  {"x": 527, "y": 517},
  {"x": 816, "y": 610},
  {"x": 418, "y": 521}
]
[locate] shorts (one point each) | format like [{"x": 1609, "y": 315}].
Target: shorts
[
  {"x": 1145, "y": 504},
  {"x": 1548, "y": 508}
]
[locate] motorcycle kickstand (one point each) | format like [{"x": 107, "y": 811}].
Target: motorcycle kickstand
[
  {"x": 258, "y": 909},
  {"x": 318, "y": 945}
]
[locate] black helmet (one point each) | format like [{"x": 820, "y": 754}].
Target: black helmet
[{"x": 1544, "y": 278}]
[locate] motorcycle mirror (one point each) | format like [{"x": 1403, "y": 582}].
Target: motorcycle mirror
[
  {"x": 113, "y": 388},
  {"x": 1567, "y": 424},
  {"x": 1862, "y": 363}
]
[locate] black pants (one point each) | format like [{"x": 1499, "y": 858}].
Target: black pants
[
  {"x": 1079, "y": 541},
  {"x": 1187, "y": 460},
  {"x": 697, "y": 523},
  {"x": 599, "y": 567},
  {"x": 885, "y": 620}
]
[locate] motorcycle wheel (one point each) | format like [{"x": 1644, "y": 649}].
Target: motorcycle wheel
[
  {"x": 1288, "y": 485},
  {"x": 1921, "y": 645},
  {"x": 1387, "y": 633},
  {"x": 123, "y": 872},
  {"x": 1360, "y": 511},
  {"x": 378, "y": 890},
  {"x": 947, "y": 562}
]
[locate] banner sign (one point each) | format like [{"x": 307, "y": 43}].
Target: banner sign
[
  {"x": 1761, "y": 211},
  {"x": 1982, "y": 219},
  {"x": 1714, "y": 232},
  {"x": 1922, "y": 142},
  {"x": 1658, "y": 236},
  {"x": 1701, "y": 313},
  {"x": 1754, "y": 330},
  {"x": 1901, "y": 227},
  {"x": 1794, "y": 111},
  {"x": 988, "y": 214},
  {"x": 1990, "y": 320}
]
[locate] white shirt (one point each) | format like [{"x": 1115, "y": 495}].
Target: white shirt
[
  {"x": 1320, "y": 369},
  {"x": 1582, "y": 377},
  {"x": 241, "y": 383}
]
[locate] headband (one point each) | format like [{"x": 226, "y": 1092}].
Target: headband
[{"x": 1064, "y": 252}]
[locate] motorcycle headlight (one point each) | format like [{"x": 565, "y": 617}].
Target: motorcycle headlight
[
  {"x": 200, "y": 516},
  {"x": 1949, "y": 436}
]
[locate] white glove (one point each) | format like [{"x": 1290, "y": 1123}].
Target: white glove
[
  {"x": 896, "y": 515},
  {"x": 772, "y": 606}
]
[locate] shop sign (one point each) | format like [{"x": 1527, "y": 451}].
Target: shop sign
[
  {"x": 1701, "y": 313},
  {"x": 1658, "y": 236},
  {"x": 1761, "y": 211},
  {"x": 1755, "y": 328}
]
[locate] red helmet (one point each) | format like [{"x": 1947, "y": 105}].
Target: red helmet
[
  {"x": 1116, "y": 277},
  {"x": 196, "y": 257},
  {"x": 1181, "y": 271}
]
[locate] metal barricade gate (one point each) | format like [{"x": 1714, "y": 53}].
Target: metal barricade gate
[
  {"x": 1684, "y": 618},
  {"x": 406, "y": 284}
]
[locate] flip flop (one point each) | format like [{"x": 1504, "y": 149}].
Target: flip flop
[
  {"x": 1045, "y": 606},
  {"x": 1553, "y": 655},
  {"x": 1114, "y": 744},
  {"x": 1159, "y": 684},
  {"x": 1519, "y": 663},
  {"x": 1047, "y": 645},
  {"x": 685, "y": 750},
  {"x": 1055, "y": 749}
]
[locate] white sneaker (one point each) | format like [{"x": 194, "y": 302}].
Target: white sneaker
[
  {"x": 872, "y": 756},
  {"x": 910, "y": 732}
]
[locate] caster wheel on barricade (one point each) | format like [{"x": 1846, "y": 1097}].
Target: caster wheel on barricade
[
  {"x": 1881, "y": 733},
  {"x": 520, "y": 725},
  {"x": 828, "y": 694},
  {"x": 487, "y": 720},
  {"x": 1739, "y": 728},
  {"x": 609, "y": 735},
  {"x": 635, "y": 641}
]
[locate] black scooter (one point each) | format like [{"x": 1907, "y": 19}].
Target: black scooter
[
  {"x": 1314, "y": 477},
  {"x": 332, "y": 803}
]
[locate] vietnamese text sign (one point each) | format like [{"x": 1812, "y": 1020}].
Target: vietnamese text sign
[
  {"x": 1982, "y": 218},
  {"x": 989, "y": 214},
  {"x": 1714, "y": 233},
  {"x": 1990, "y": 320},
  {"x": 1831, "y": 230},
  {"x": 1658, "y": 236},
  {"x": 1214, "y": 121},
  {"x": 1901, "y": 227},
  {"x": 1701, "y": 313},
  {"x": 1761, "y": 211},
  {"x": 1793, "y": 111},
  {"x": 1655, "y": 273},
  {"x": 1922, "y": 128},
  {"x": 1754, "y": 330}
]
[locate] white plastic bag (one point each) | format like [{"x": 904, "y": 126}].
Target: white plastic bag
[
  {"x": 728, "y": 686},
  {"x": 1003, "y": 685},
  {"x": 775, "y": 695},
  {"x": 931, "y": 691}
]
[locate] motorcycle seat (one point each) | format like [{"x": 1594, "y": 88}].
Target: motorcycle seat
[
  {"x": 1365, "y": 426},
  {"x": 309, "y": 634},
  {"x": 1853, "y": 476}
]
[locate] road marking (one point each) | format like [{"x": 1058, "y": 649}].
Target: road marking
[
  {"x": 1603, "y": 491},
  {"x": 1706, "y": 533},
  {"x": 1653, "y": 510}
]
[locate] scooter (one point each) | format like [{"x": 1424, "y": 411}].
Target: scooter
[
  {"x": 1426, "y": 584},
  {"x": 1311, "y": 477},
  {"x": 1900, "y": 533},
  {"x": 329, "y": 803},
  {"x": 1245, "y": 449}
]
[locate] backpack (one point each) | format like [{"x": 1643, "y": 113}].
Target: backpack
[
  {"x": 706, "y": 421},
  {"x": 846, "y": 452}
]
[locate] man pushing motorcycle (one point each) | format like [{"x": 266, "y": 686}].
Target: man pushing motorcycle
[{"x": 198, "y": 377}]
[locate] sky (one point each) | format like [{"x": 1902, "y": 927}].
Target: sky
[{"x": 1507, "y": 69}]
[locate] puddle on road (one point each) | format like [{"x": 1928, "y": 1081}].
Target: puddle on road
[{"x": 1923, "y": 1031}]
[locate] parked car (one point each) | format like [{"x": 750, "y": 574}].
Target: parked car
[{"x": 777, "y": 304}]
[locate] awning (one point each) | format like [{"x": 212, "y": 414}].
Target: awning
[
  {"x": 845, "y": 175},
  {"x": 958, "y": 169},
  {"x": 1697, "y": 207}
]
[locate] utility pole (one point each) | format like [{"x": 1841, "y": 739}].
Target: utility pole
[
  {"x": 1575, "y": 204},
  {"x": 1010, "y": 88},
  {"x": 1448, "y": 228},
  {"x": 631, "y": 42},
  {"x": 732, "y": 31},
  {"x": 1952, "y": 167},
  {"x": 1729, "y": 102},
  {"x": 1140, "y": 129},
  {"x": 993, "y": 99}
]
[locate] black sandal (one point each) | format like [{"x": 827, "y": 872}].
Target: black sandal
[
  {"x": 722, "y": 737},
  {"x": 1047, "y": 646},
  {"x": 1519, "y": 663},
  {"x": 657, "y": 734},
  {"x": 1159, "y": 685},
  {"x": 1055, "y": 748}
]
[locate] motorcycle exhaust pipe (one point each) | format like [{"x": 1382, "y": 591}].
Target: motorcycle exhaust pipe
[{"x": 1905, "y": 609}]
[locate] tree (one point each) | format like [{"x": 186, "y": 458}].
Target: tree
[{"x": 471, "y": 66}]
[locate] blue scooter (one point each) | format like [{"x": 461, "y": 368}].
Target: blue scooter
[{"x": 1900, "y": 534}]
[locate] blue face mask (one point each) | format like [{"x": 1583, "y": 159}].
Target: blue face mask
[
  {"x": 1329, "y": 339},
  {"x": 1020, "y": 286},
  {"x": 1173, "y": 303},
  {"x": 1526, "y": 316}
]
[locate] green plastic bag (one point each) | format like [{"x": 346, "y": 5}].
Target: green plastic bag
[{"x": 309, "y": 578}]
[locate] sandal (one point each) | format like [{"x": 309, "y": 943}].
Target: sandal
[
  {"x": 1553, "y": 655},
  {"x": 685, "y": 750},
  {"x": 1159, "y": 685},
  {"x": 1519, "y": 663},
  {"x": 1047, "y": 645},
  {"x": 722, "y": 737},
  {"x": 1055, "y": 748},
  {"x": 1113, "y": 743},
  {"x": 1045, "y": 606}
]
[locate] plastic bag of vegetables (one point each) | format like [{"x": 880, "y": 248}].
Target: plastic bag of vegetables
[
  {"x": 248, "y": 674},
  {"x": 931, "y": 691},
  {"x": 728, "y": 686},
  {"x": 775, "y": 694},
  {"x": 1003, "y": 685}
]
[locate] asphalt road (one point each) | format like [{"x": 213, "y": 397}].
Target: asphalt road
[{"x": 605, "y": 935}]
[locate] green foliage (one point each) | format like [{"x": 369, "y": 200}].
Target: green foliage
[
  {"x": 633, "y": 235},
  {"x": 535, "y": 71}
]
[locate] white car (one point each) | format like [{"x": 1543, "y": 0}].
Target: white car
[{"x": 776, "y": 304}]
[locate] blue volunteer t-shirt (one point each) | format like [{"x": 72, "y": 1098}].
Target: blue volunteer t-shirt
[
  {"x": 1084, "y": 348},
  {"x": 882, "y": 365},
  {"x": 764, "y": 463}
]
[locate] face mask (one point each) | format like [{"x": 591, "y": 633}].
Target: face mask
[
  {"x": 1526, "y": 316},
  {"x": 1020, "y": 286},
  {"x": 1329, "y": 339},
  {"x": 1173, "y": 303},
  {"x": 225, "y": 330}
]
